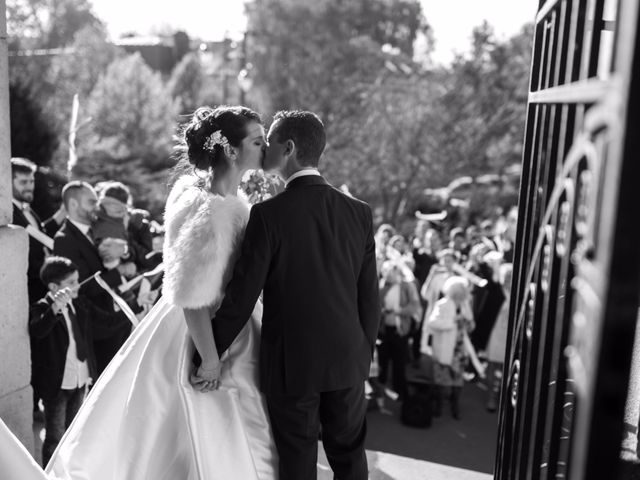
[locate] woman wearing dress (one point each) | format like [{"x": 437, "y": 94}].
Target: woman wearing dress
[{"x": 143, "y": 419}]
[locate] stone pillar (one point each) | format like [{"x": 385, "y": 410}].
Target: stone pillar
[{"x": 16, "y": 399}]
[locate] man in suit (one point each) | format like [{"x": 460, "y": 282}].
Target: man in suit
[
  {"x": 22, "y": 185},
  {"x": 73, "y": 241},
  {"x": 311, "y": 250}
]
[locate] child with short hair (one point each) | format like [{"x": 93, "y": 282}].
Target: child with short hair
[
  {"x": 449, "y": 322},
  {"x": 61, "y": 326}
]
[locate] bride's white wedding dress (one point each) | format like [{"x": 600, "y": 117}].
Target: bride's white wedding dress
[{"x": 142, "y": 419}]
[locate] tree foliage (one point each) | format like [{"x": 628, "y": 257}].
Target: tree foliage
[
  {"x": 485, "y": 103},
  {"x": 32, "y": 134},
  {"x": 395, "y": 126},
  {"x": 130, "y": 133},
  {"x": 52, "y": 80},
  {"x": 76, "y": 73},
  {"x": 186, "y": 83},
  {"x": 47, "y": 23},
  {"x": 320, "y": 55}
]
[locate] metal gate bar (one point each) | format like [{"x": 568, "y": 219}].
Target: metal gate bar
[{"x": 577, "y": 257}]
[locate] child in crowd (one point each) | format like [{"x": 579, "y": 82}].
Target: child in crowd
[
  {"x": 113, "y": 210},
  {"x": 62, "y": 326},
  {"x": 449, "y": 322},
  {"x": 497, "y": 346},
  {"x": 111, "y": 222}
]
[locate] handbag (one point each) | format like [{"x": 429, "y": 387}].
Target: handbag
[{"x": 416, "y": 408}]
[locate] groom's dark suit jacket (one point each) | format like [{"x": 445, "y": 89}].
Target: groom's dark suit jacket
[{"x": 311, "y": 250}]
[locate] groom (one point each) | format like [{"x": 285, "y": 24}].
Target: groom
[{"x": 311, "y": 251}]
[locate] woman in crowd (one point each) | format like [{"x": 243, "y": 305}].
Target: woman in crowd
[
  {"x": 432, "y": 289},
  {"x": 450, "y": 321},
  {"x": 400, "y": 312}
]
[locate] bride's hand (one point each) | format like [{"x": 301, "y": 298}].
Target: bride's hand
[{"x": 206, "y": 377}]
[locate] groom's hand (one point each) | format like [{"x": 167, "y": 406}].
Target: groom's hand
[{"x": 206, "y": 378}]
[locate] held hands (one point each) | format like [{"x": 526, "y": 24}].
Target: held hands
[{"x": 206, "y": 377}]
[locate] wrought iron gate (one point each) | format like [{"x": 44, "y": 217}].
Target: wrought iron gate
[{"x": 576, "y": 277}]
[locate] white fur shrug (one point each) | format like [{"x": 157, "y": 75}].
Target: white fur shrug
[{"x": 203, "y": 232}]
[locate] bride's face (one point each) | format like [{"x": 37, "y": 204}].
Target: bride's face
[{"x": 253, "y": 147}]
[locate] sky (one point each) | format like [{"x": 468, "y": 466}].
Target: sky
[{"x": 451, "y": 20}]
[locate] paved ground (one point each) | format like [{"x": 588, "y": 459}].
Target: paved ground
[
  {"x": 468, "y": 443},
  {"x": 385, "y": 466}
]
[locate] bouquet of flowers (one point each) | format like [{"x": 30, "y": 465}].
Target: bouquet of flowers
[{"x": 259, "y": 186}]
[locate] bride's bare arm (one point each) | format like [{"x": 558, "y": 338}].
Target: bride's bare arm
[{"x": 199, "y": 324}]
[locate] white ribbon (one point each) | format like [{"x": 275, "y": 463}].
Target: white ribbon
[
  {"x": 118, "y": 300},
  {"x": 43, "y": 238}
]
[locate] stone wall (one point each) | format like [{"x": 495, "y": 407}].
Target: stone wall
[{"x": 15, "y": 370}]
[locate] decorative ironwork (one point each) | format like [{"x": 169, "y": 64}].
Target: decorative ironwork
[{"x": 576, "y": 267}]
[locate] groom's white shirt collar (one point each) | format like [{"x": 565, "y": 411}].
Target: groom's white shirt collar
[{"x": 301, "y": 173}]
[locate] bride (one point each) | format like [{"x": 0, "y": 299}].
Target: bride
[{"x": 143, "y": 419}]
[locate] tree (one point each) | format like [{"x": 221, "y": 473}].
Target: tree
[
  {"x": 322, "y": 54},
  {"x": 76, "y": 73},
  {"x": 129, "y": 137},
  {"x": 53, "y": 79},
  {"x": 348, "y": 61},
  {"x": 422, "y": 130},
  {"x": 486, "y": 103},
  {"x": 186, "y": 83},
  {"x": 32, "y": 134},
  {"x": 47, "y": 23},
  {"x": 392, "y": 152}
]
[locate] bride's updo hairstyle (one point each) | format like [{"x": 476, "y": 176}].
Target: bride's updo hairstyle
[{"x": 197, "y": 146}]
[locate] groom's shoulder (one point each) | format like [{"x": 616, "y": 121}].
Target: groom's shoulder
[
  {"x": 269, "y": 205},
  {"x": 350, "y": 199},
  {"x": 279, "y": 203}
]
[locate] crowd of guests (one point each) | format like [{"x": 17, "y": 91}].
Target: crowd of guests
[
  {"x": 444, "y": 309},
  {"x": 444, "y": 297},
  {"x": 86, "y": 286}
]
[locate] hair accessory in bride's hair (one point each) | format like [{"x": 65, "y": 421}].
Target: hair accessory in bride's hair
[{"x": 216, "y": 138}]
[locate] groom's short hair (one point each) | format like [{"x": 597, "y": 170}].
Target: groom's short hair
[{"x": 307, "y": 132}]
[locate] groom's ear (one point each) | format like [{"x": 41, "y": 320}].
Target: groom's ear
[{"x": 289, "y": 147}]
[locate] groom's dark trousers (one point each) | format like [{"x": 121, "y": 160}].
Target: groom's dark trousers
[{"x": 310, "y": 250}]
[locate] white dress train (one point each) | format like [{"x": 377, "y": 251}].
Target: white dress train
[
  {"x": 15, "y": 460},
  {"x": 143, "y": 420}
]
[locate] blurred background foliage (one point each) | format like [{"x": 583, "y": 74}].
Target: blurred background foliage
[{"x": 399, "y": 127}]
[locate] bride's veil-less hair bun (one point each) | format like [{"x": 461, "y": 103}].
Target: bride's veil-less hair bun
[{"x": 196, "y": 146}]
